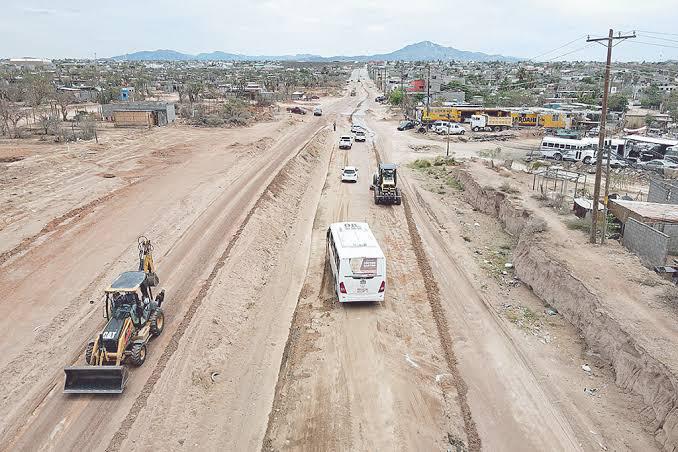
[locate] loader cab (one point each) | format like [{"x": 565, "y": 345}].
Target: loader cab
[
  {"x": 388, "y": 175},
  {"x": 129, "y": 294}
]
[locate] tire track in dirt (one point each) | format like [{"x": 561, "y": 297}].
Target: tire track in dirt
[
  {"x": 433, "y": 295},
  {"x": 121, "y": 434},
  {"x": 77, "y": 214}
]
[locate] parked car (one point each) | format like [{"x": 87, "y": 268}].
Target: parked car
[
  {"x": 379, "y": 99},
  {"x": 406, "y": 125},
  {"x": 297, "y": 110},
  {"x": 349, "y": 174},
  {"x": 658, "y": 164},
  {"x": 594, "y": 132},
  {"x": 345, "y": 142},
  {"x": 360, "y": 135},
  {"x": 315, "y": 97},
  {"x": 317, "y": 111},
  {"x": 616, "y": 162},
  {"x": 452, "y": 129}
]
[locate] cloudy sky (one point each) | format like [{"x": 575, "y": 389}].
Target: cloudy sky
[{"x": 523, "y": 28}]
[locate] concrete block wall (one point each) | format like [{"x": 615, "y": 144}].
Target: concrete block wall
[
  {"x": 663, "y": 192},
  {"x": 672, "y": 231},
  {"x": 651, "y": 245}
]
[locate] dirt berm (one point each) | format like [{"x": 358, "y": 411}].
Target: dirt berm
[{"x": 635, "y": 367}]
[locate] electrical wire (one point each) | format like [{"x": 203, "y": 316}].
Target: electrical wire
[
  {"x": 557, "y": 48},
  {"x": 657, "y": 33}
]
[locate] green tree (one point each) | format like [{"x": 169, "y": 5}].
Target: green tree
[
  {"x": 649, "y": 120},
  {"x": 652, "y": 97},
  {"x": 396, "y": 97},
  {"x": 671, "y": 105},
  {"x": 618, "y": 102}
]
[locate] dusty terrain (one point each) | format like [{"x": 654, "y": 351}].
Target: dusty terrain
[{"x": 256, "y": 354}]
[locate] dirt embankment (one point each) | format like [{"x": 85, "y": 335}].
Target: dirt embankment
[{"x": 558, "y": 286}]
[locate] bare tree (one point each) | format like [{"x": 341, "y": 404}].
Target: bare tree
[
  {"x": 194, "y": 89},
  {"x": 63, "y": 100},
  {"x": 48, "y": 123},
  {"x": 11, "y": 114}
]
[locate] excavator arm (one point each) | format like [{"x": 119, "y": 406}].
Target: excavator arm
[{"x": 146, "y": 263}]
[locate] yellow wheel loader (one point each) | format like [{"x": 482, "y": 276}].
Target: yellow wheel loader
[{"x": 133, "y": 318}]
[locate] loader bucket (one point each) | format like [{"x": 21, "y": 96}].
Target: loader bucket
[{"x": 95, "y": 380}]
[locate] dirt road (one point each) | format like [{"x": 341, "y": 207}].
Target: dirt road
[
  {"x": 364, "y": 376},
  {"x": 256, "y": 352},
  {"x": 194, "y": 211}
]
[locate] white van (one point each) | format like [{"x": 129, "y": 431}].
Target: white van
[
  {"x": 566, "y": 149},
  {"x": 358, "y": 265}
]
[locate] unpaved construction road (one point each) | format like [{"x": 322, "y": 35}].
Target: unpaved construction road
[{"x": 256, "y": 353}]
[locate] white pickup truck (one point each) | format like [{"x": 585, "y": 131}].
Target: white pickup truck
[{"x": 345, "y": 142}]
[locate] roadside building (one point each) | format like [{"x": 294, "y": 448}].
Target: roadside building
[
  {"x": 298, "y": 95},
  {"x": 81, "y": 93},
  {"x": 637, "y": 118},
  {"x": 649, "y": 229},
  {"x": 161, "y": 113}
]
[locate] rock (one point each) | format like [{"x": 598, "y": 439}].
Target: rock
[
  {"x": 508, "y": 265},
  {"x": 586, "y": 368},
  {"x": 476, "y": 224},
  {"x": 550, "y": 311},
  {"x": 591, "y": 391},
  {"x": 504, "y": 272}
]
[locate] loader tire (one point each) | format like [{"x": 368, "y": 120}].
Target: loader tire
[
  {"x": 157, "y": 321},
  {"x": 88, "y": 352},
  {"x": 138, "y": 355}
]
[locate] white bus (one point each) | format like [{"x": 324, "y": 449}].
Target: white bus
[
  {"x": 566, "y": 149},
  {"x": 357, "y": 262}
]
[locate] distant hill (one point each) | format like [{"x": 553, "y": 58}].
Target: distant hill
[{"x": 421, "y": 51}]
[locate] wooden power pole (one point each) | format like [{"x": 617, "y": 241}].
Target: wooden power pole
[
  {"x": 428, "y": 91},
  {"x": 601, "y": 135}
]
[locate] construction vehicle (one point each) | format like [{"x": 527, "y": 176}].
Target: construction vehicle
[
  {"x": 133, "y": 318},
  {"x": 384, "y": 184},
  {"x": 494, "y": 123}
]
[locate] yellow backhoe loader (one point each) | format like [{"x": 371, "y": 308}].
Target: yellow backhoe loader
[{"x": 133, "y": 317}]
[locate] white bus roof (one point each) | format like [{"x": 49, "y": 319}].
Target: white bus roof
[
  {"x": 652, "y": 140},
  {"x": 559, "y": 140},
  {"x": 355, "y": 240}
]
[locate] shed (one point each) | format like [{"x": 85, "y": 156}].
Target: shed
[
  {"x": 297, "y": 95},
  {"x": 644, "y": 212},
  {"x": 163, "y": 112},
  {"x": 133, "y": 118}
]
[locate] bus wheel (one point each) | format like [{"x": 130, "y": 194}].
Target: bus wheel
[
  {"x": 587, "y": 160},
  {"x": 557, "y": 157}
]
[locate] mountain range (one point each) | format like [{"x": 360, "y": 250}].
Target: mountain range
[{"x": 421, "y": 51}]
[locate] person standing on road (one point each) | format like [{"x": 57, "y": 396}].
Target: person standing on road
[{"x": 334, "y": 125}]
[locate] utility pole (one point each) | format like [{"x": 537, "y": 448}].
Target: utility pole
[
  {"x": 601, "y": 136},
  {"x": 428, "y": 91}
]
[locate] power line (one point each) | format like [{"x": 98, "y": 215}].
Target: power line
[
  {"x": 658, "y": 38},
  {"x": 657, "y": 33},
  {"x": 655, "y": 44},
  {"x": 557, "y": 48}
]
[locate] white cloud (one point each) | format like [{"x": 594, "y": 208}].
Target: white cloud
[{"x": 520, "y": 27}]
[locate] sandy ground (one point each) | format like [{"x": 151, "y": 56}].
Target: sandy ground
[
  {"x": 364, "y": 376},
  {"x": 192, "y": 206},
  {"x": 256, "y": 354}
]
